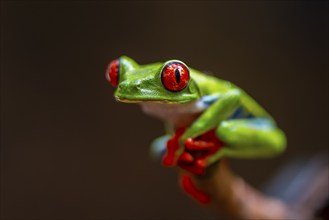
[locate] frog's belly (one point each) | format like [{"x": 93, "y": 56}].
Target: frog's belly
[{"x": 179, "y": 115}]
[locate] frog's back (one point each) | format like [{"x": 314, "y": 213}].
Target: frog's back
[{"x": 210, "y": 85}]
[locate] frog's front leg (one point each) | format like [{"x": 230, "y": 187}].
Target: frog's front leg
[{"x": 220, "y": 110}]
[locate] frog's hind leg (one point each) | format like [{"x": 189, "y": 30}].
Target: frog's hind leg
[
  {"x": 249, "y": 138},
  {"x": 158, "y": 146}
]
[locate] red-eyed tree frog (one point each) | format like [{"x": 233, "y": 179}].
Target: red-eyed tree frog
[{"x": 187, "y": 98}]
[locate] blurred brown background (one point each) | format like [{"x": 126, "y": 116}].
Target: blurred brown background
[{"x": 69, "y": 151}]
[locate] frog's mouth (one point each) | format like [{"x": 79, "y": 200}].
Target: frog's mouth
[
  {"x": 182, "y": 99},
  {"x": 137, "y": 100}
]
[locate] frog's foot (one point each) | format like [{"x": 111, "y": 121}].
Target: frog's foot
[
  {"x": 189, "y": 187},
  {"x": 198, "y": 145},
  {"x": 172, "y": 146},
  {"x": 196, "y": 151}
]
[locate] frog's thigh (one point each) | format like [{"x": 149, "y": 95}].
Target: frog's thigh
[
  {"x": 158, "y": 146},
  {"x": 251, "y": 136}
]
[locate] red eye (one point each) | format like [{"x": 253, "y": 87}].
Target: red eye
[
  {"x": 112, "y": 72},
  {"x": 175, "y": 76}
]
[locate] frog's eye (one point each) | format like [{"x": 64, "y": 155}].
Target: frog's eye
[
  {"x": 112, "y": 72},
  {"x": 175, "y": 76}
]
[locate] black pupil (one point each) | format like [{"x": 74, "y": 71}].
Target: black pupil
[{"x": 177, "y": 75}]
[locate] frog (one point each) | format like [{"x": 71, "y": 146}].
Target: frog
[{"x": 195, "y": 103}]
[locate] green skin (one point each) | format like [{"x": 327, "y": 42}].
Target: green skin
[{"x": 243, "y": 137}]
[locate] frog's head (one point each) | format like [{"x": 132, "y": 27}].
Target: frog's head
[{"x": 168, "y": 82}]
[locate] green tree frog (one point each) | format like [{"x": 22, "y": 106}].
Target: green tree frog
[{"x": 207, "y": 113}]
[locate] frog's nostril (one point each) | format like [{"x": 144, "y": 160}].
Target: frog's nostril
[{"x": 138, "y": 85}]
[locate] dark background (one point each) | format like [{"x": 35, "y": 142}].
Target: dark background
[{"x": 69, "y": 151}]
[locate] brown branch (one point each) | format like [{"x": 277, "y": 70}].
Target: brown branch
[{"x": 232, "y": 196}]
